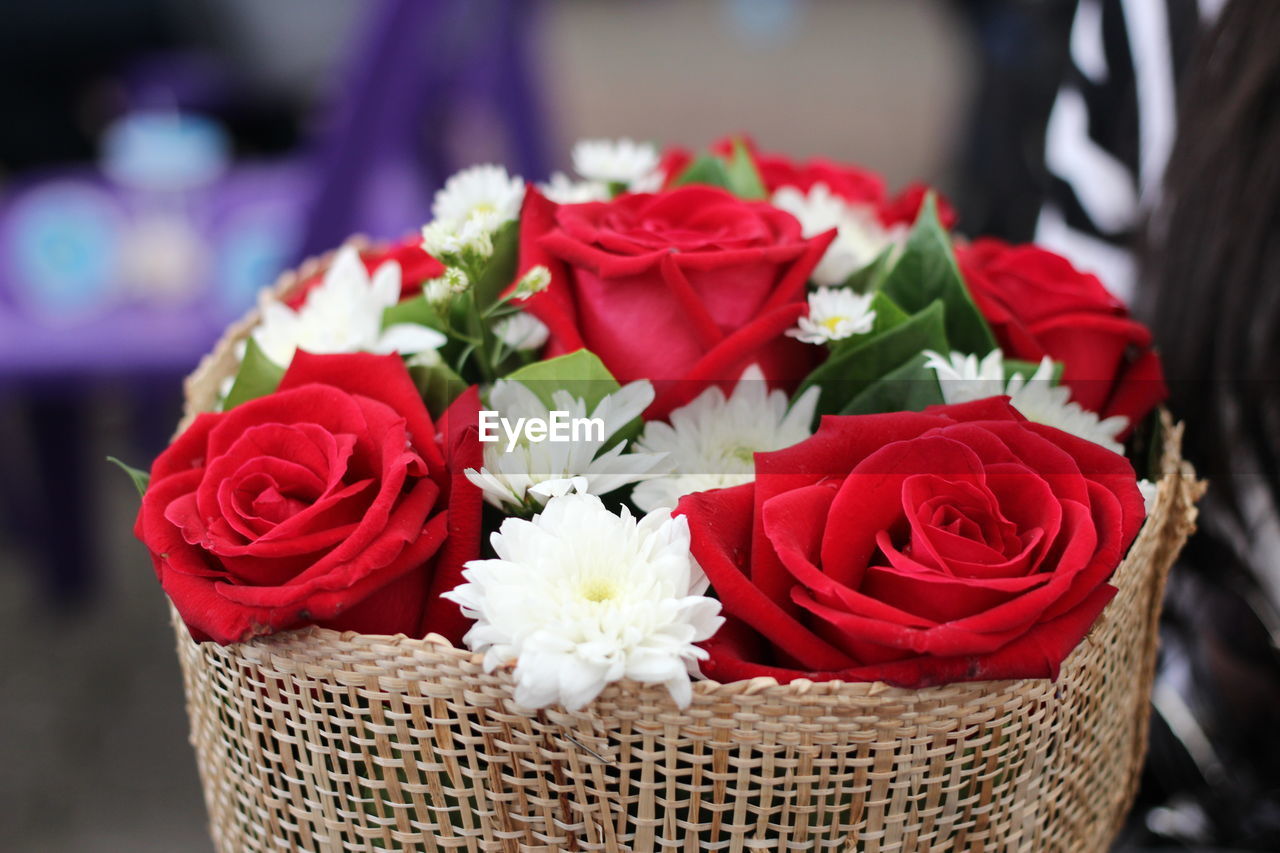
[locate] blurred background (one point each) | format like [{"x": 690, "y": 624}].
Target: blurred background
[{"x": 161, "y": 160}]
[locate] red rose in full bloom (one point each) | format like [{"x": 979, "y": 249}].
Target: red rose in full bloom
[
  {"x": 960, "y": 543},
  {"x": 1038, "y": 304},
  {"x": 693, "y": 284},
  {"x": 416, "y": 266},
  {"x": 329, "y": 502}
]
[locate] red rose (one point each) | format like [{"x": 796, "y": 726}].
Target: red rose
[
  {"x": 1038, "y": 304},
  {"x": 852, "y": 183},
  {"x": 416, "y": 266},
  {"x": 692, "y": 284},
  {"x": 327, "y": 502},
  {"x": 961, "y": 543}
]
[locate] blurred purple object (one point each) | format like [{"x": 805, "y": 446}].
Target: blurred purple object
[
  {"x": 382, "y": 154},
  {"x": 99, "y": 279}
]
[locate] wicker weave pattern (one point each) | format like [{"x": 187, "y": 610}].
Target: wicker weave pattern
[{"x": 312, "y": 740}]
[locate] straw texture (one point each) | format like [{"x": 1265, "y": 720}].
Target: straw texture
[{"x": 318, "y": 741}]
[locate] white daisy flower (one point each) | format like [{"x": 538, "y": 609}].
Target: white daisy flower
[
  {"x": 609, "y": 161},
  {"x": 486, "y": 189},
  {"x": 963, "y": 378},
  {"x": 860, "y": 237},
  {"x": 835, "y": 313},
  {"x": 521, "y": 331},
  {"x": 712, "y": 441},
  {"x": 565, "y": 190},
  {"x": 519, "y": 477},
  {"x": 343, "y": 314},
  {"x": 579, "y": 597}
]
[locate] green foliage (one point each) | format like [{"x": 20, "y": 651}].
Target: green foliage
[
  {"x": 910, "y": 387},
  {"x": 927, "y": 273},
  {"x": 871, "y": 276},
  {"x": 580, "y": 373},
  {"x": 438, "y": 385},
  {"x": 708, "y": 170},
  {"x": 500, "y": 271},
  {"x": 857, "y": 363},
  {"x": 744, "y": 178},
  {"x": 141, "y": 479},
  {"x": 737, "y": 173},
  {"x": 258, "y": 376}
]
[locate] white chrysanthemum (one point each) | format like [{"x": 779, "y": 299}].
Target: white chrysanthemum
[
  {"x": 835, "y": 313},
  {"x": 524, "y": 476},
  {"x": 860, "y": 236},
  {"x": 563, "y": 189},
  {"x": 579, "y": 597},
  {"x": 521, "y": 331},
  {"x": 486, "y": 189},
  {"x": 614, "y": 161},
  {"x": 712, "y": 441},
  {"x": 963, "y": 378},
  {"x": 343, "y": 314}
]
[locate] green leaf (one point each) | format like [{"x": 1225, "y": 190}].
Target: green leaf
[
  {"x": 744, "y": 178},
  {"x": 927, "y": 272},
  {"x": 438, "y": 385},
  {"x": 500, "y": 271},
  {"x": 888, "y": 314},
  {"x": 416, "y": 310},
  {"x": 849, "y": 370},
  {"x": 707, "y": 169},
  {"x": 869, "y": 278},
  {"x": 141, "y": 479},
  {"x": 910, "y": 387},
  {"x": 580, "y": 373},
  {"x": 258, "y": 377}
]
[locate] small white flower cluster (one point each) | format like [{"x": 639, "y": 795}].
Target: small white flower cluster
[
  {"x": 964, "y": 378},
  {"x": 606, "y": 166},
  {"x": 713, "y": 440},
  {"x": 860, "y": 236},
  {"x": 523, "y": 477},
  {"x": 835, "y": 313},
  {"x": 472, "y": 205},
  {"x": 342, "y": 314},
  {"x": 580, "y": 597}
]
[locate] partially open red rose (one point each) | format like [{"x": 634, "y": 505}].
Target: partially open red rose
[
  {"x": 961, "y": 543},
  {"x": 1038, "y": 304},
  {"x": 846, "y": 180},
  {"x": 683, "y": 288},
  {"x": 327, "y": 502}
]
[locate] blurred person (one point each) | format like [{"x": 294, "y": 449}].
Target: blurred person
[
  {"x": 1160, "y": 173},
  {"x": 1211, "y": 286}
]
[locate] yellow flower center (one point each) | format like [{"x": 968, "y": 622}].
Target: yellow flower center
[
  {"x": 831, "y": 322},
  {"x": 599, "y": 589}
]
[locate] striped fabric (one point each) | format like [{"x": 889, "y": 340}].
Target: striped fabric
[{"x": 1112, "y": 127}]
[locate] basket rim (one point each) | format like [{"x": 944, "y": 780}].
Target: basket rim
[
  {"x": 278, "y": 645},
  {"x": 1177, "y": 488}
]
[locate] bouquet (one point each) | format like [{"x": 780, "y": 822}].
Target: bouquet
[{"x": 674, "y": 424}]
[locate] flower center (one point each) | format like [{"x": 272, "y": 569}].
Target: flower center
[
  {"x": 743, "y": 454},
  {"x": 599, "y": 589},
  {"x": 832, "y": 322}
]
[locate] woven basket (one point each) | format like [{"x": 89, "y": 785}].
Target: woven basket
[{"x": 315, "y": 740}]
